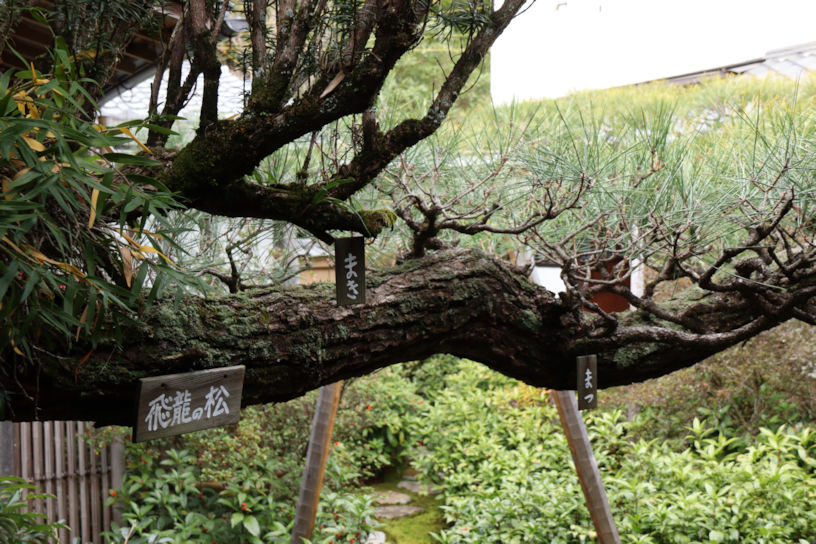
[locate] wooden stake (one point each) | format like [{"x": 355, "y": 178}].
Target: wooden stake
[
  {"x": 586, "y": 466},
  {"x": 316, "y": 456}
]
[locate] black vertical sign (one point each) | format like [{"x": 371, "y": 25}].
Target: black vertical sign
[
  {"x": 587, "y": 382},
  {"x": 349, "y": 255}
]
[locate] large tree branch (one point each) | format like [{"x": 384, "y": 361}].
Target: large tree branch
[
  {"x": 210, "y": 171},
  {"x": 293, "y": 340},
  {"x": 386, "y": 147}
]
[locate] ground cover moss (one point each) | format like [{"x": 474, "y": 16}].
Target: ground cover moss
[{"x": 414, "y": 529}]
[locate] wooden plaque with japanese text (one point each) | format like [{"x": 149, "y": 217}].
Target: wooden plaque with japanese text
[
  {"x": 349, "y": 256},
  {"x": 587, "y": 382},
  {"x": 182, "y": 403}
]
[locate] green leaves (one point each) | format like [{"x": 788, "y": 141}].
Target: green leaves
[
  {"x": 66, "y": 268},
  {"x": 17, "y": 523},
  {"x": 251, "y": 525},
  {"x": 518, "y": 484},
  {"x": 236, "y": 519},
  {"x": 125, "y": 158}
]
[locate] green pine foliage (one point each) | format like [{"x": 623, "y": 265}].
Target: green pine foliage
[{"x": 649, "y": 159}]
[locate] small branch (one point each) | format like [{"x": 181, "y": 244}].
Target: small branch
[
  {"x": 757, "y": 235},
  {"x": 257, "y": 30}
]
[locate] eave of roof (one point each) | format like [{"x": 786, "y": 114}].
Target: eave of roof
[
  {"x": 31, "y": 39},
  {"x": 789, "y": 62}
]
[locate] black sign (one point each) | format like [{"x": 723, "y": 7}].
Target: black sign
[
  {"x": 182, "y": 403},
  {"x": 587, "y": 382},
  {"x": 349, "y": 254}
]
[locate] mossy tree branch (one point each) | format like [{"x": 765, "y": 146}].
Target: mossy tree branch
[
  {"x": 210, "y": 171},
  {"x": 292, "y": 340}
]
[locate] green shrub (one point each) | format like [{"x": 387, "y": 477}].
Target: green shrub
[
  {"x": 166, "y": 501},
  {"x": 497, "y": 449},
  {"x": 240, "y": 483},
  {"x": 16, "y": 524}
]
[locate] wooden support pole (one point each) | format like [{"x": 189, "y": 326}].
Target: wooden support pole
[
  {"x": 586, "y": 466},
  {"x": 316, "y": 456}
]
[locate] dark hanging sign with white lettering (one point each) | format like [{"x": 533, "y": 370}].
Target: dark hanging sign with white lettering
[
  {"x": 587, "y": 382},
  {"x": 349, "y": 256},
  {"x": 182, "y": 403}
]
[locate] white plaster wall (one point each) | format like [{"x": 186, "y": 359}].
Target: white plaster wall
[
  {"x": 548, "y": 277},
  {"x": 558, "y": 46}
]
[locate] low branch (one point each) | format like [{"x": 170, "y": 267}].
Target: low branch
[{"x": 295, "y": 339}]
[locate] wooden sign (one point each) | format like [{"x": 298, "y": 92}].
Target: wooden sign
[
  {"x": 587, "y": 382},
  {"x": 183, "y": 403},
  {"x": 349, "y": 254}
]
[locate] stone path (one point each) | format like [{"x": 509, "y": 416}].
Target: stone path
[
  {"x": 376, "y": 537},
  {"x": 391, "y": 497},
  {"x": 393, "y": 504},
  {"x": 418, "y": 488},
  {"x": 396, "y": 511}
]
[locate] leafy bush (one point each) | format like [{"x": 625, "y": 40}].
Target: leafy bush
[
  {"x": 167, "y": 501},
  {"x": 519, "y": 485},
  {"x": 16, "y": 524},
  {"x": 242, "y": 482}
]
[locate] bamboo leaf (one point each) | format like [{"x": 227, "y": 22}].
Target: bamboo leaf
[
  {"x": 151, "y": 249},
  {"x": 125, "y": 158},
  {"x": 82, "y": 320},
  {"x": 127, "y": 131},
  {"x": 7, "y": 278},
  {"x": 34, "y": 144},
  {"x": 94, "y": 200},
  {"x": 7, "y": 194},
  {"x": 127, "y": 264}
]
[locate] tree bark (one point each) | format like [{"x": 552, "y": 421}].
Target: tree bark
[{"x": 295, "y": 339}]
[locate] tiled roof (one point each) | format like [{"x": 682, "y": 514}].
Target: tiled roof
[
  {"x": 791, "y": 62},
  {"x": 125, "y": 103}
]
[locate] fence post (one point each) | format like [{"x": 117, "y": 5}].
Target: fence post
[
  {"x": 60, "y": 441},
  {"x": 117, "y": 461},
  {"x": 6, "y": 448},
  {"x": 84, "y": 485}
]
